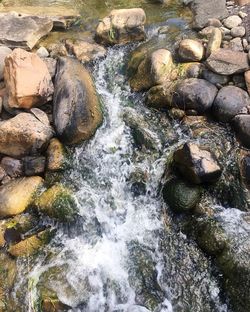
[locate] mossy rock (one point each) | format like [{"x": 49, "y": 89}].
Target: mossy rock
[
  {"x": 180, "y": 196},
  {"x": 31, "y": 245},
  {"x": 57, "y": 202}
]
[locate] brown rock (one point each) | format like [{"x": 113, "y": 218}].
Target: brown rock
[
  {"x": 13, "y": 167},
  {"x": 33, "y": 165},
  {"x": 191, "y": 50},
  {"x": 28, "y": 80},
  {"x": 56, "y": 155}
]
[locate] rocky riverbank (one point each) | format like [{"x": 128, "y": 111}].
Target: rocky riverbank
[{"x": 48, "y": 103}]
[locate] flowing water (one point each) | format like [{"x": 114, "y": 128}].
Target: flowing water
[{"x": 124, "y": 252}]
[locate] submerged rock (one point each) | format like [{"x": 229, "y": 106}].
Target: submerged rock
[
  {"x": 57, "y": 202},
  {"x": 76, "y": 111},
  {"x": 27, "y": 79},
  {"x": 181, "y": 196},
  {"x": 122, "y": 26},
  {"x": 197, "y": 165},
  {"x": 161, "y": 96},
  {"x": 23, "y": 31},
  {"x": 16, "y": 196}
]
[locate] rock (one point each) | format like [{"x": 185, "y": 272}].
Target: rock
[
  {"x": 232, "y": 21},
  {"x": 30, "y": 245},
  {"x": 241, "y": 124},
  {"x": 13, "y": 167},
  {"x": 57, "y": 202},
  {"x": 214, "y": 22},
  {"x": 229, "y": 102},
  {"x": 41, "y": 116},
  {"x": 227, "y": 62},
  {"x": 247, "y": 80},
  {"x": 85, "y": 51},
  {"x": 33, "y": 165},
  {"x": 23, "y": 135},
  {"x": 76, "y": 108},
  {"x": 190, "y": 70},
  {"x": 238, "y": 31},
  {"x": 204, "y": 10},
  {"x": 214, "y": 78},
  {"x": 4, "y": 52},
  {"x": 197, "y": 165},
  {"x": 191, "y": 50},
  {"x": 180, "y": 196},
  {"x": 152, "y": 70},
  {"x": 42, "y": 52},
  {"x": 56, "y": 156},
  {"x": 23, "y": 31},
  {"x": 51, "y": 65},
  {"x": 2, "y": 174},
  {"x": 236, "y": 45},
  {"x": 193, "y": 93},
  {"x": 17, "y": 195},
  {"x": 214, "y": 41},
  {"x": 27, "y": 78},
  {"x": 122, "y": 26},
  {"x": 57, "y": 50},
  {"x": 160, "y": 96}
]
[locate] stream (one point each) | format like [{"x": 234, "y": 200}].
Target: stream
[{"x": 124, "y": 253}]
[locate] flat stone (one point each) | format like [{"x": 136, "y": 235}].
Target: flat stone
[
  {"x": 23, "y": 31},
  {"x": 205, "y": 10},
  {"x": 228, "y": 62}
]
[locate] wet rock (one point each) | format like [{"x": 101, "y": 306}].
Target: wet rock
[
  {"x": 85, "y": 51},
  {"x": 227, "y": 62},
  {"x": 138, "y": 180},
  {"x": 17, "y": 195},
  {"x": 193, "y": 93},
  {"x": 152, "y": 70},
  {"x": 13, "y": 167},
  {"x": 56, "y": 156},
  {"x": 161, "y": 96},
  {"x": 33, "y": 165},
  {"x": 241, "y": 124},
  {"x": 141, "y": 132},
  {"x": 214, "y": 78},
  {"x": 181, "y": 196},
  {"x": 197, "y": 165},
  {"x": 191, "y": 50},
  {"x": 205, "y": 10},
  {"x": 31, "y": 245},
  {"x": 57, "y": 202},
  {"x": 122, "y": 26},
  {"x": 4, "y": 52},
  {"x": 214, "y": 41},
  {"x": 23, "y": 31},
  {"x": 232, "y": 21},
  {"x": 76, "y": 109},
  {"x": 23, "y": 135},
  {"x": 27, "y": 78},
  {"x": 229, "y": 102}
]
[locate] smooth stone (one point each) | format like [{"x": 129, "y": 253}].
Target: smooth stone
[
  {"x": 238, "y": 31},
  {"x": 191, "y": 50},
  {"x": 214, "y": 78},
  {"x": 56, "y": 155},
  {"x": 241, "y": 125},
  {"x": 232, "y": 21},
  {"x": 214, "y": 41},
  {"x": 229, "y": 102}
]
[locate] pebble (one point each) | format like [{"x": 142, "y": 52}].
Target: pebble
[
  {"x": 232, "y": 21},
  {"x": 238, "y": 31}
]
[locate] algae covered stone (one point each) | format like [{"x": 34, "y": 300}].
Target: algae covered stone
[
  {"x": 180, "y": 196},
  {"x": 57, "y": 202},
  {"x": 17, "y": 195}
]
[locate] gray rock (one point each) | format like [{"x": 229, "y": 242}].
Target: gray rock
[
  {"x": 232, "y": 21},
  {"x": 13, "y": 167},
  {"x": 42, "y": 52},
  {"x": 4, "y": 51},
  {"x": 214, "y": 78},
  {"x": 241, "y": 125},
  {"x": 51, "y": 64},
  {"x": 33, "y": 165},
  {"x": 23, "y": 31},
  {"x": 228, "y": 62},
  {"x": 238, "y": 31},
  {"x": 236, "y": 45},
  {"x": 76, "y": 108},
  {"x": 193, "y": 93},
  {"x": 229, "y": 102},
  {"x": 214, "y": 22},
  {"x": 205, "y": 10},
  {"x": 197, "y": 165}
]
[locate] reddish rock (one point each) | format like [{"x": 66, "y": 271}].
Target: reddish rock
[{"x": 28, "y": 80}]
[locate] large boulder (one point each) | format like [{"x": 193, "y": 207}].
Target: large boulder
[
  {"x": 27, "y": 79},
  {"x": 17, "y": 195},
  {"x": 197, "y": 165},
  {"x": 152, "y": 70},
  {"x": 76, "y": 111},
  {"x": 122, "y": 26},
  {"x": 241, "y": 124},
  {"x": 4, "y": 51},
  {"x": 23, "y": 31},
  {"x": 24, "y": 135},
  {"x": 228, "y": 62},
  {"x": 229, "y": 102},
  {"x": 195, "y": 94},
  {"x": 191, "y": 50}
]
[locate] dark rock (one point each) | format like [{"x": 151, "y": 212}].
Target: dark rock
[
  {"x": 246, "y": 168},
  {"x": 33, "y": 165},
  {"x": 241, "y": 124},
  {"x": 196, "y": 165},
  {"x": 76, "y": 111},
  {"x": 229, "y": 102},
  {"x": 181, "y": 196},
  {"x": 214, "y": 78},
  {"x": 193, "y": 93},
  {"x": 13, "y": 167}
]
